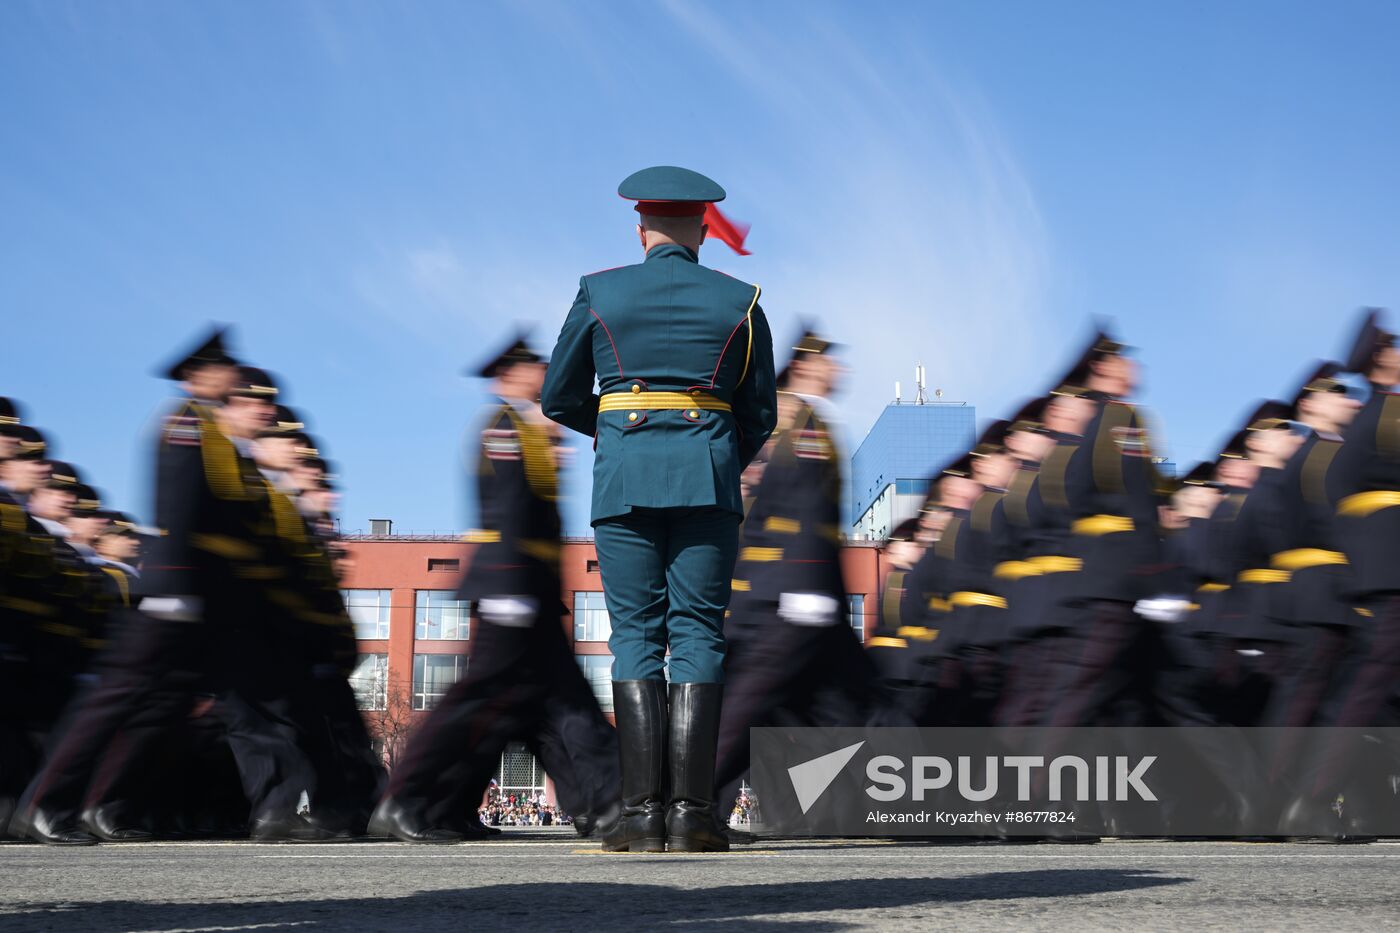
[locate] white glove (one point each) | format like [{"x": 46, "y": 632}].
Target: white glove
[
  {"x": 808, "y": 609},
  {"x": 1163, "y": 608},
  {"x": 173, "y": 608},
  {"x": 509, "y": 611}
]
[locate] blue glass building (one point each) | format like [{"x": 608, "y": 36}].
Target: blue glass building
[{"x": 891, "y": 467}]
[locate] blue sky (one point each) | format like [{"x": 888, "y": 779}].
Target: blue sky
[{"x": 373, "y": 192}]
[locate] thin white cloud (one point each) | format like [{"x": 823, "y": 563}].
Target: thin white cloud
[{"x": 920, "y": 238}]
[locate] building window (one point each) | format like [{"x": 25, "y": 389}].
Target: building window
[
  {"x": 369, "y": 610},
  {"x": 370, "y": 681},
  {"x": 591, "y": 622},
  {"x": 434, "y": 675},
  {"x": 443, "y": 565},
  {"x": 597, "y": 670},
  {"x": 591, "y": 566},
  {"x": 855, "y": 604},
  {"x": 438, "y": 616}
]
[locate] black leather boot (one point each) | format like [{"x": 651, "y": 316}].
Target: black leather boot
[
  {"x": 105, "y": 824},
  {"x": 691, "y": 822},
  {"x": 397, "y": 820},
  {"x": 52, "y": 829},
  {"x": 640, "y": 707}
]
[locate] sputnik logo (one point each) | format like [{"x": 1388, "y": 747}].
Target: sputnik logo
[{"x": 811, "y": 778}]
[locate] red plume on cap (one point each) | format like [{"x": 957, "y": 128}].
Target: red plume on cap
[{"x": 722, "y": 228}]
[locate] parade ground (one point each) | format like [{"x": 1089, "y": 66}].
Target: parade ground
[{"x": 549, "y": 879}]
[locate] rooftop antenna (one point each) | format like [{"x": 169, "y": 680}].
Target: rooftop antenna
[
  {"x": 920, "y": 397},
  {"x": 896, "y": 392}
]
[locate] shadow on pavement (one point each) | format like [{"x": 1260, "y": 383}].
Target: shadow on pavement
[{"x": 589, "y": 904}]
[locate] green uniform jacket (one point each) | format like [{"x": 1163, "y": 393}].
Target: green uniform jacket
[{"x": 665, "y": 325}]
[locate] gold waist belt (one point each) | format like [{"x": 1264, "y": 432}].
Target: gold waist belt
[
  {"x": 1053, "y": 563},
  {"x": 968, "y": 598},
  {"x": 1304, "y": 557},
  {"x": 1263, "y": 575},
  {"x": 1364, "y": 503},
  {"x": 1096, "y": 525},
  {"x": 660, "y": 401},
  {"x": 1036, "y": 566}
]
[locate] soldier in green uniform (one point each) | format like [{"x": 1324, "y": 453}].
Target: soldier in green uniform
[{"x": 682, "y": 356}]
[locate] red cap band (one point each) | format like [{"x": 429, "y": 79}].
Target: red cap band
[{"x": 671, "y": 208}]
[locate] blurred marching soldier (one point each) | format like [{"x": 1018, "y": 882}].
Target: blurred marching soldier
[
  {"x": 1210, "y": 668},
  {"x": 118, "y": 553},
  {"x": 683, "y": 358},
  {"x": 912, "y": 685},
  {"x": 1365, "y": 478},
  {"x": 1033, "y": 571},
  {"x": 522, "y": 682},
  {"x": 26, "y": 605},
  {"x": 1240, "y": 648},
  {"x": 793, "y": 653},
  {"x": 889, "y": 644},
  {"x": 977, "y": 607},
  {"x": 1110, "y": 494},
  {"x": 315, "y": 628},
  {"x": 1306, "y": 578},
  {"x": 10, "y": 417},
  {"x": 1189, "y": 659},
  {"x": 792, "y": 650},
  {"x": 938, "y": 652},
  {"x": 76, "y": 613},
  {"x": 195, "y": 593},
  {"x": 1368, "y": 527}
]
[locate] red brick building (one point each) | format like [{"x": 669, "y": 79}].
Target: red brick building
[{"x": 415, "y": 640}]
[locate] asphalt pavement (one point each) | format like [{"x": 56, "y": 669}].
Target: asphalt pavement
[{"x": 550, "y": 879}]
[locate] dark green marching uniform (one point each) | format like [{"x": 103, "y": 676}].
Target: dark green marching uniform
[{"x": 683, "y": 359}]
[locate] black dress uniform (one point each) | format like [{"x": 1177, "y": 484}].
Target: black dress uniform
[
  {"x": 1247, "y": 650},
  {"x": 201, "y": 593},
  {"x": 1368, "y": 529},
  {"x": 1110, "y": 493},
  {"x": 1033, "y": 574},
  {"x": 1306, "y": 580},
  {"x": 39, "y": 643},
  {"x": 977, "y": 543},
  {"x": 914, "y": 687},
  {"x": 791, "y": 649},
  {"x": 522, "y": 682},
  {"x": 899, "y": 635}
]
